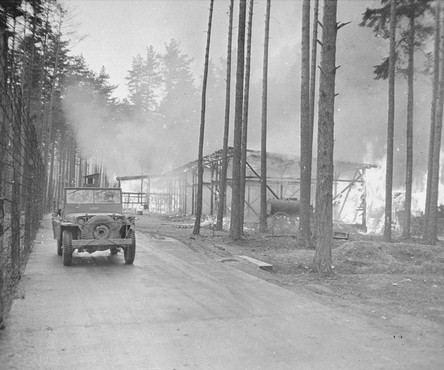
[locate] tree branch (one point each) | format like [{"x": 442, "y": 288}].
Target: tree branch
[{"x": 340, "y": 25}]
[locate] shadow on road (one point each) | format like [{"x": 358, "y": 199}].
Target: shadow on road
[{"x": 97, "y": 259}]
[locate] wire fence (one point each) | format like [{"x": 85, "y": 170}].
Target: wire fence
[{"x": 22, "y": 183}]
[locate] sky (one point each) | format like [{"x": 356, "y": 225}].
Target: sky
[{"x": 115, "y": 31}]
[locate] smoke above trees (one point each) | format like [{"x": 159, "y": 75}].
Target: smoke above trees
[{"x": 163, "y": 135}]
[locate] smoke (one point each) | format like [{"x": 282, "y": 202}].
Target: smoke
[
  {"x": 130, "y": 147},
  {"x": 121, "y": 146},
  {"x": 362, "y": 104}
]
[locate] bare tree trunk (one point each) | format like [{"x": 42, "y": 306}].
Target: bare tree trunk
[
  {"x": 50, "y": 173},
  {"x": 313, "y": 61},
  {"x": 263, "y": 197},
  {"x": 63, "y": 156},
  {"x": 50, "y": 141},
  {"x": 224, "y": 170},
  {"x": 68, "y": 180},
  {"x": 324, "y": 183},
  {"x": 200, "y": 168},
  {"x": 29, "y": 148},
  {"x": 87, "y": 169},
  {"x": 435, "y": 97},
  {"x": 4, "y": 128},
  {"x": 245, "y": 114},
  {"x": 73, "y": 161},
  {"x": 16, "y": 204},
  {"x": 80, "y": 175},
  {"x": 235, "y": 224},
  {"x": 40, "y": 108},
  {"x": 30, "y": 140},
  {"x": 17, "y": 169},
  {"x": 434, "y": 190},
  {"x": 306, "y": 130},
  {"x": 409, "y": 154},
  {"x": 390, "y": 127}
]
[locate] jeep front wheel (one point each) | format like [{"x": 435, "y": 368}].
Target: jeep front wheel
[
  {"x": 67, "y": 248},
  {"x": 129, "y": 252}
]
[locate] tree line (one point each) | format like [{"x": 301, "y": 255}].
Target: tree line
[
  {"x": 409, "y": 26},
  {"x": 42, "y": 82}
]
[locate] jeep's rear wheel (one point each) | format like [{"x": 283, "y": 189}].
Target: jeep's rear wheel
[
  {"x": 59, "y": 247},
  {"x": 67, "y": 248},
  {"x": 129, "y": 252}
]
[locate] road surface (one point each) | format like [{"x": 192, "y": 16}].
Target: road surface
[{"x": 176, "y": 308}]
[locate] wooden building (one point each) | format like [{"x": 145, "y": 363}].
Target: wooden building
[{"x": 174, "y": 192}]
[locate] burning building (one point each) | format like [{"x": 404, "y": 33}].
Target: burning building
[{"x": 174, "y": 192}]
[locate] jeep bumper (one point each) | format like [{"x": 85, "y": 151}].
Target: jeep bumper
[{"x": 100, "y": 242}]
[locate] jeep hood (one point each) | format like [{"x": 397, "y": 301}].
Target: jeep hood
[
  {"x": 93, "y": 209},
  {"x": 72, "y": 216}
]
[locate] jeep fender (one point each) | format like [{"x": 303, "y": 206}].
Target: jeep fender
[{"x": 70, "y": 227}]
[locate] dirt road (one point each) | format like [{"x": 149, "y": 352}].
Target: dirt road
[{"x": 177, "y": 308}]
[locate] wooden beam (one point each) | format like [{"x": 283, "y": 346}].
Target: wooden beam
[{"x": 257, "y": 175}]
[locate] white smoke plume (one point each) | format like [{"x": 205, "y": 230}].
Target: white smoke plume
[{"x": 125, "y": 147}]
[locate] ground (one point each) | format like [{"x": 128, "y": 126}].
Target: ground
[{"x": 398, "y": 284}]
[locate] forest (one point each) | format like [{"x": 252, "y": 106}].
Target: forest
[{"x": 60, "y": 120}]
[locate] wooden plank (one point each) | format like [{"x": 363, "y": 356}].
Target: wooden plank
[{"x": 262, "y": 265}]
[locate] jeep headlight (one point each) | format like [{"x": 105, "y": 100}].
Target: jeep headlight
[
  {"x": 120, "y": 220},
  {"x": 80, "y": 220}
]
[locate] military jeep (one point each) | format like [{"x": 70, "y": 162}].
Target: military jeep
[{"x": 92, "y": 220}]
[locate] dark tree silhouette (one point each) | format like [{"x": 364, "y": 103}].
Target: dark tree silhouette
[
  {"x": 236, "y": 223},
  {"x": 263, "y": 196},
  {"x": 390, "y": 126},
  {"x": 432, "y": 226},
  {"x": 245, "y": 111},
  {"x": 435, "y": 100},
  {"x": 200, "y": 168},
  {"x": 324, "y": 183},
  {"x": 306, "y": 130},
  {"x": 224, "y": 169}
]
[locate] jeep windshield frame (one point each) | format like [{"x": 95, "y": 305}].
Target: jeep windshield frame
[
  {"x": 93, "y": 200},
  {"x": 93, "y": 196}
]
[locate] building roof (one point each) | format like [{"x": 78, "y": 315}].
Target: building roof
[
  {"x": 284, "y": 158},
  {"x": 127, "y": 178},
  {"x": 92, "y": 175},
  {"x": 218, "y": 155}
]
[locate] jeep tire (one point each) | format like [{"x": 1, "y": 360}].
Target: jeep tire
[
  {"x": 129, "y": 252},
  {"x": 67, "y": 248},
  {"x": 59, "y": 246},
  {"x": 101, "y": 227}
]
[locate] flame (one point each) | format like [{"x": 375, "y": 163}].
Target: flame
[{"x": 375, "y": 195}]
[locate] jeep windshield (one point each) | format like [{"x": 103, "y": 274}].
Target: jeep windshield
[{"x": 93, "y": 196}]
